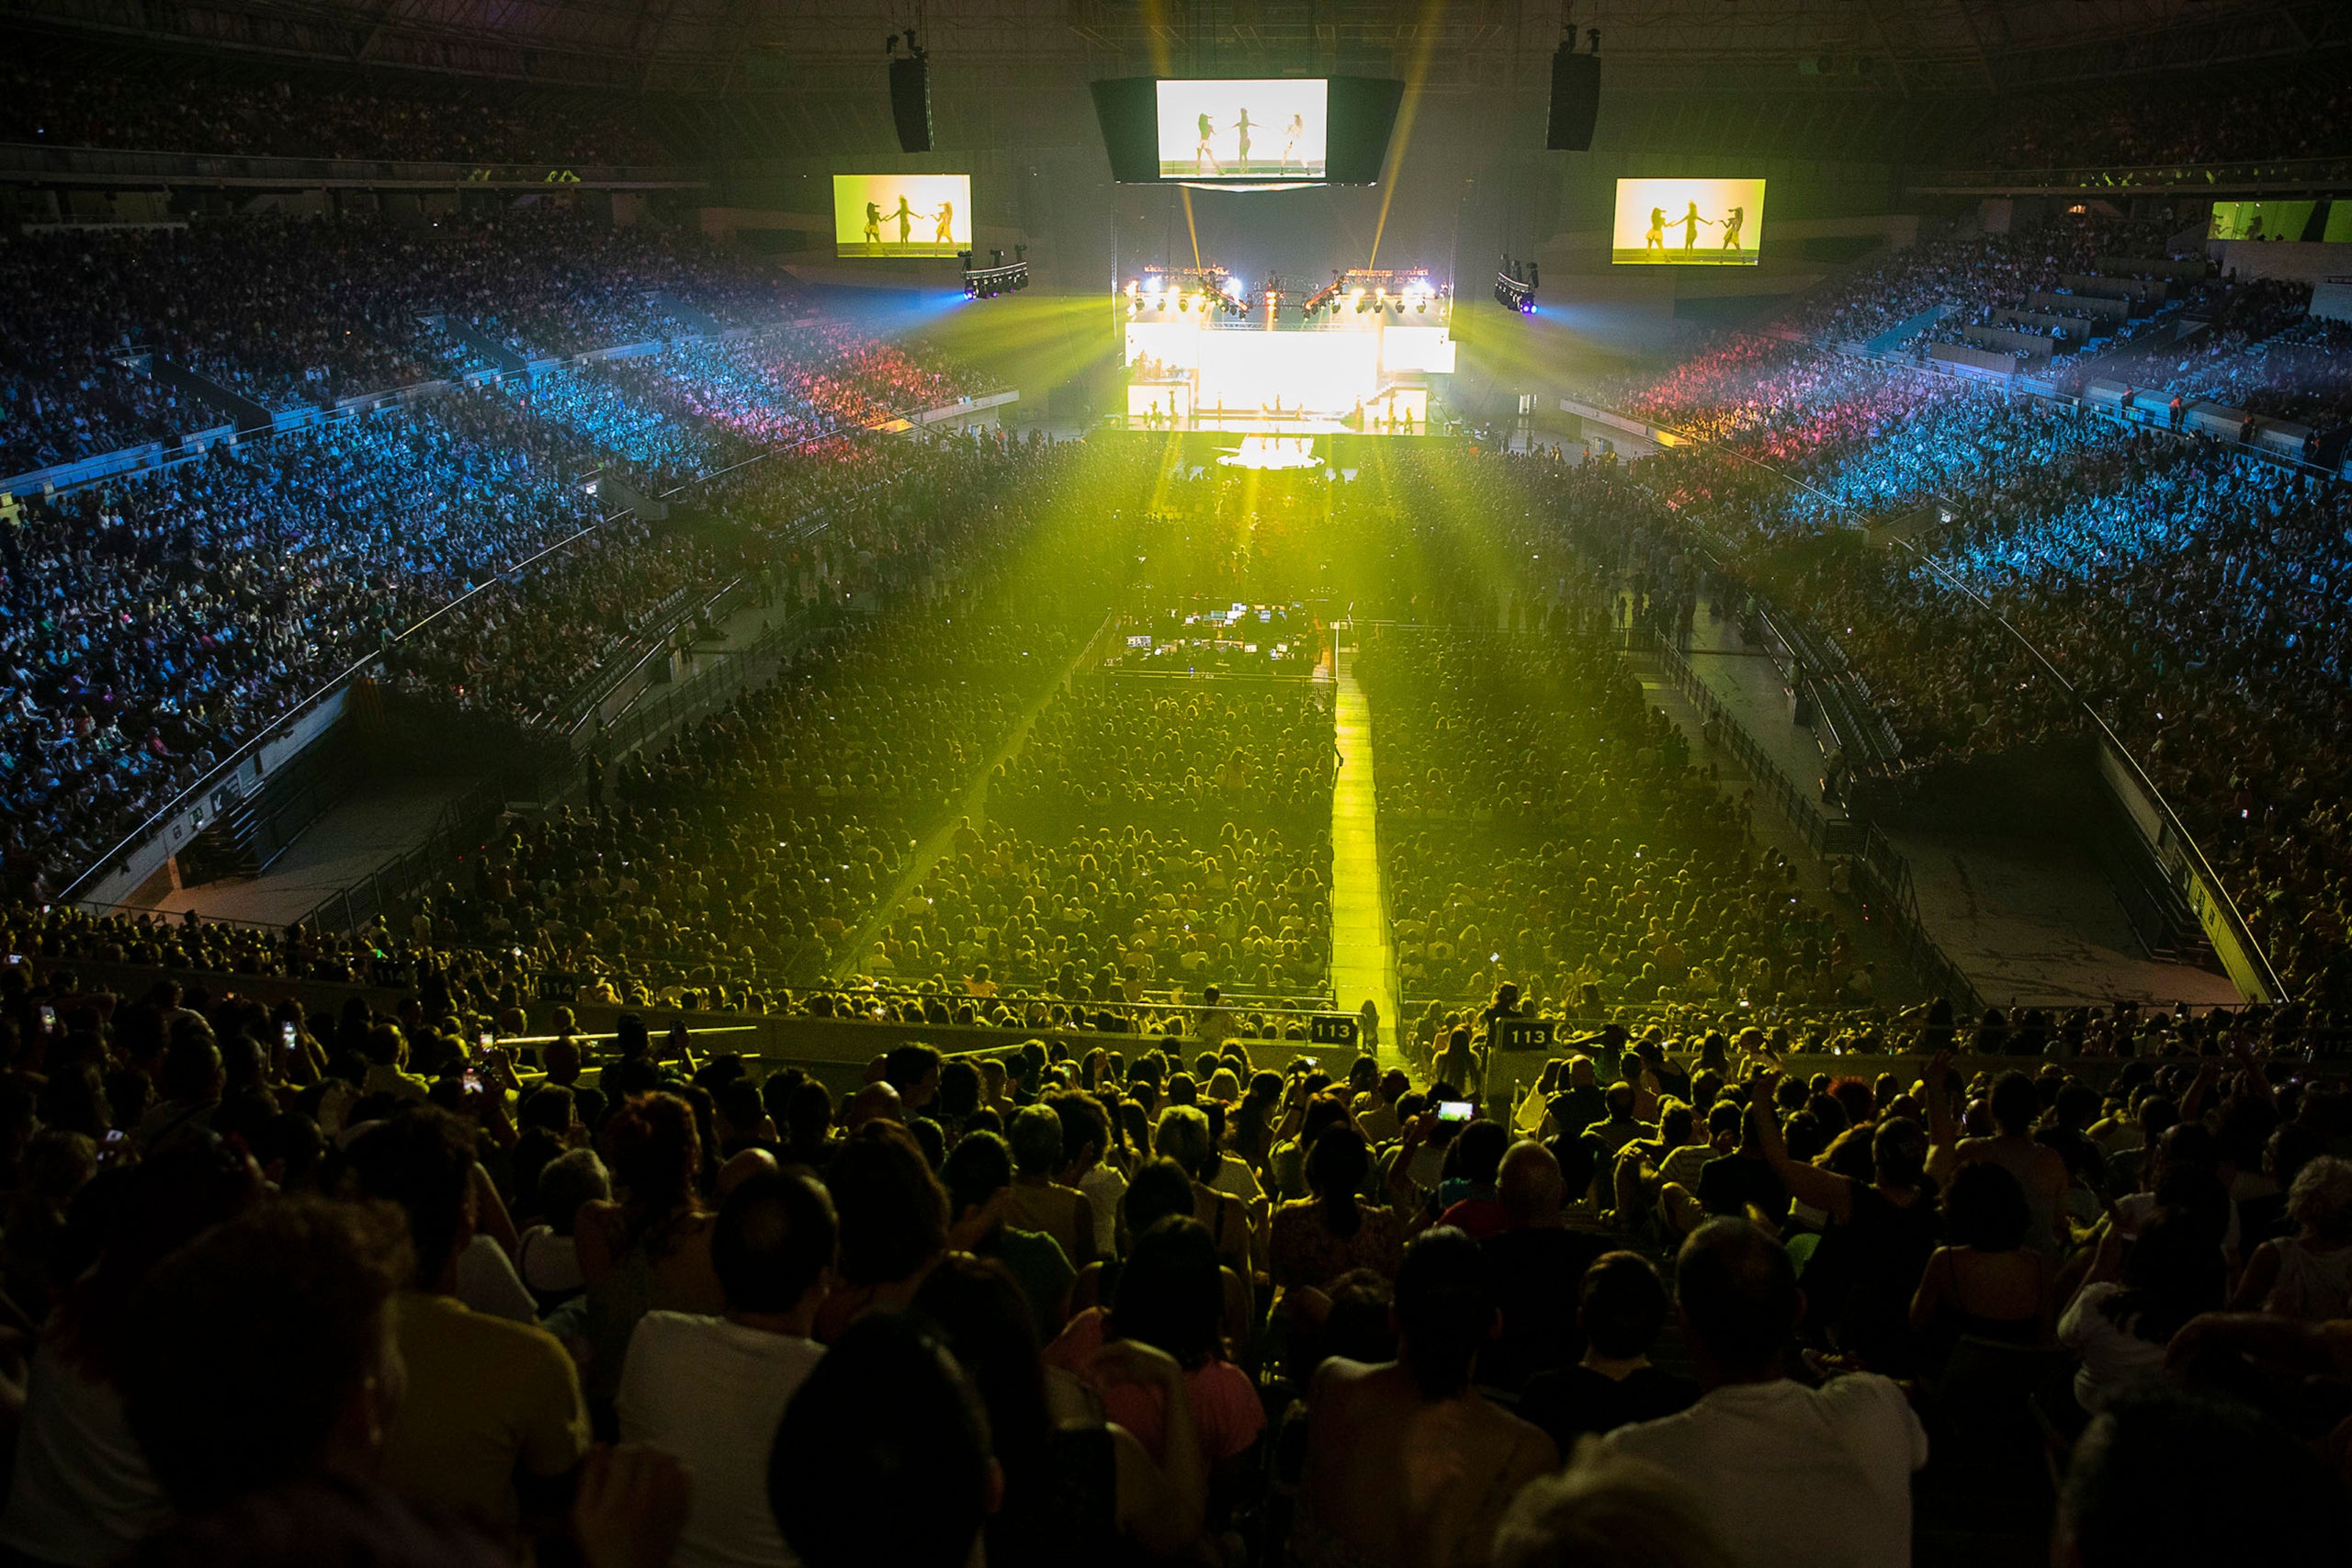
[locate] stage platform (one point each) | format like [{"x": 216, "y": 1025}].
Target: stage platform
[{"x": 1281, "y": 446}]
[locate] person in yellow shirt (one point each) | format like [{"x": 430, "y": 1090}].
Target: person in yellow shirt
[{"x": 492, "y": 1407}]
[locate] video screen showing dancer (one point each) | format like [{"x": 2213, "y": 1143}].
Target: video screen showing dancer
[
  {"x": 902, "y": 215},
  {"x": 1688, "y": 222},
  {"x": 1245, "y": 130}
]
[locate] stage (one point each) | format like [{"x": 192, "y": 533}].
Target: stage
[
  {"x": 1339, "y": 451},
  {"x": 1203, "y": 357}
]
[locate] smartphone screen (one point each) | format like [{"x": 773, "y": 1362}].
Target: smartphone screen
[
  {"x": 472, "y": 1081},
  {"x": 286, "y": 1034},
  {"x": 1454, "y": 1111}
]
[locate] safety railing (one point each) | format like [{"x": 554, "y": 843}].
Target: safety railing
[{"x": 1797, "y": 801}]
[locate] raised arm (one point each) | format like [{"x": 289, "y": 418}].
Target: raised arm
[
  {"x": 1943, "y": 1135},
  {"x": 1824, "y": 1190}
]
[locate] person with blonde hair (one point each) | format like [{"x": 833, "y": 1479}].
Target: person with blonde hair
[
  {"x": 2307, "y": 1275},
  {"x": 1607, "y": 1511},
  {"x": 1184, "y": 1136}
]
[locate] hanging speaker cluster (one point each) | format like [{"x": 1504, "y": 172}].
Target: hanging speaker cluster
[
  {"x": 911, "y": 99},
  {"x": 1576, "y": 97}
]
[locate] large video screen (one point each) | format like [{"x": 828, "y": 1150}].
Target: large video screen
[
  {"x": 1688, "y": 222},
  {"x": 902, "y": 215},
  {"x": 1259, "y": 129}
]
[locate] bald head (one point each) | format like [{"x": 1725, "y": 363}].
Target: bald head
[
  {"x": 742, "y": 1168},
  {"x": 1530, "y": 1187},
  {"x": 874, "y": 1103}
]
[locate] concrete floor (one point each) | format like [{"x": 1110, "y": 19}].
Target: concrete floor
[
  {"x": 2036, "y": 922},
  {"x": 379, "y": 821}
]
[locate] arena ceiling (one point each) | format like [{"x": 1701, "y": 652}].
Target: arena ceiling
[{"x": 1901, "y": 46}]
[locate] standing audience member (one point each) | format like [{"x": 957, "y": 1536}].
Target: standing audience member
[
  {"x": 82, "y": 1490},
  {"x": 1793, "y": 1475},
  {"x": 650, "y": 1249},
  {"x": 1406, "y": 1462},
  {"x": 710, "y": 1391},
  {"x": 883, "y": 1455},
  {"x": 1038, "y": 1200},
  {"x": 490, "y": 1409},
  {"x": 893, "y": 1217},
  {"x": 2138, "y": 1294},
  {"x": 1537, "y": 1261},
  {"x": 1170, "y": 1296},
  {"x": 1073, "y": 1488},
  {"x": 1621, "y": 1308}
]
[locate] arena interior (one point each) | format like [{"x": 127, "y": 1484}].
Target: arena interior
[{"x": 1154, "y": 782}]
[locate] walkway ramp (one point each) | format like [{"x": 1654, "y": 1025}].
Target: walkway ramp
[
  {"x": 1363, "y": 961},
  {"x": 1904, "y": 330}
]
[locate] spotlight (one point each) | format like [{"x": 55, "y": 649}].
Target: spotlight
[
  {"x": 988, "y": 282},
  {"x": 1513, "y": 293}
]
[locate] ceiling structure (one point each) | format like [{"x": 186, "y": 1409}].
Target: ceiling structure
[{"x": 1905, "y": 48}]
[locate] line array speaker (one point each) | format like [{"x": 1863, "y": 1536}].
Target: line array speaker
[
  {"x": 911, "y": 102},
  {"x": 1576, "y": 100}
]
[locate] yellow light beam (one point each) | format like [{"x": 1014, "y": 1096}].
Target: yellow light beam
[{"x": 1416, "y": 75}]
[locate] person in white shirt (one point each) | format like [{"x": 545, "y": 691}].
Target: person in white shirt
[
  {"x": 1793, "y": 1477},
  {"x": 711, "y": 1391},
  {"x": 2138, "y": 1294}
]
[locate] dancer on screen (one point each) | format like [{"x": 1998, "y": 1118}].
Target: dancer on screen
[
  {"x": 1690, "y": 222},
  {"x": 1291, "y": 134},
  {"x": 1655, "y": 239},
  {"x": 947, "y": 217},
  {"x": 1201, "y": 152},
  {"x": 906, "y": 217},
  {"x": 873, "y": 223},
  {"x": 1241, "y": 132},
  {"x": 1732, "y": 221}
]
